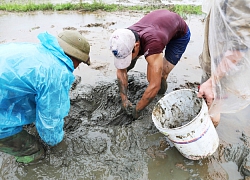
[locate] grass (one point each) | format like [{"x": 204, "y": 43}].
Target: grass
[{"x": 29, "y": 5}]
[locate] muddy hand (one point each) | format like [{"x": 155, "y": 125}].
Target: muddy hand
[
  {"x": 126, "y": 104},
  {"x": 121, "y": 118},
  {"x": 135, "y": 113},
  {"x": 131, "y": 110}
]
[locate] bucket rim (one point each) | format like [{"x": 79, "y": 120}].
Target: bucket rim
[{"x": 204, "y": 105}]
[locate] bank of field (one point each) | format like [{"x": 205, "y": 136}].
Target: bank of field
[{"x": 29, "y": 5}]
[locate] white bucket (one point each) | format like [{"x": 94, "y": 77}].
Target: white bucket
[{"x": 184, "y": 119}]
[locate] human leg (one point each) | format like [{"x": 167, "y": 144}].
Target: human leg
[
  {"x": 173, "y": 52},
  {"x": 24, "y": 146},
  {"x": 167, "y": 68},
  {"x": 215, "y": 119}
]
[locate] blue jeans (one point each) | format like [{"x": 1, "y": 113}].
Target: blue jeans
[{"x": 176, "y": 47}]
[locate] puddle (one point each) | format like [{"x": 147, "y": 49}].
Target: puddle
[{"x": 100, "y": 141}]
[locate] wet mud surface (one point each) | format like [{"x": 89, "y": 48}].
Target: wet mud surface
[
  {"x": 177, "y": 109},
  {"x": 101, "y": 142}
]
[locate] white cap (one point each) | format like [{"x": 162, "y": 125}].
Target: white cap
[{"x": 122, "y": 42}]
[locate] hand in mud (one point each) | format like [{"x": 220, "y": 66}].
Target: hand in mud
[
  {"x": 126, "y": 104},
  {"x": 135, "y": 113},
  {"x": 131, "y": 110},
  {"x": 206, "y": 92}
]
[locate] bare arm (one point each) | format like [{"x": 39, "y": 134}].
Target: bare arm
[
  {"x": 154, "y": 72},
  {"x": 229, "y": 60},
  {"x": 123, "y": 84}
]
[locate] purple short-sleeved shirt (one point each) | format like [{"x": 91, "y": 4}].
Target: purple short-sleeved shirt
[{"x": 156, "y": 29}]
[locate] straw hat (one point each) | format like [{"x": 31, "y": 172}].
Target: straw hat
[{"x": 75, "y": 45}]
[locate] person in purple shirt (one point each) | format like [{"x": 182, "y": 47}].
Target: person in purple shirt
[{"x": 162, "y": 37}]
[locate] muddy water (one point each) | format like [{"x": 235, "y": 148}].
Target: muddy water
[{"x": 101, "y": 142}]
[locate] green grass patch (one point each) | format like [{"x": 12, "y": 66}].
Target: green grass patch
[
  {"x": 186, "y": 9},
  {"x": 14, "y": 7},
  {"x": 29, "y": 5}
]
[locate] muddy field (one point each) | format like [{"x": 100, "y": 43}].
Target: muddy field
[
  {"x": 103, "y": 143},
  {"x": 123, "y": 2}
]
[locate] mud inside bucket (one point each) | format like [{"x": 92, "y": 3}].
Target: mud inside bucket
[
  {"x": 177, "y": 109},
  {"x": 184, "y": 119}
]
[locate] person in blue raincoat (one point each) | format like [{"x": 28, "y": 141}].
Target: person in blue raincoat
[{"x": 35, "y": 80}]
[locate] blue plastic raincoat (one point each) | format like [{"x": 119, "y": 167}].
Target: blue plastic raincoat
[{"x": 35, "y": 80}]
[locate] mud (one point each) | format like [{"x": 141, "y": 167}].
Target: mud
[
  {"x": 177, "y": 109},
  {"x": 101, "y": 142}
]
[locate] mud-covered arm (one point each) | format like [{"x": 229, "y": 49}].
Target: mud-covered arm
[
  {"x": 122, "y": 78},
  {"x": 154, "y": 72}
]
